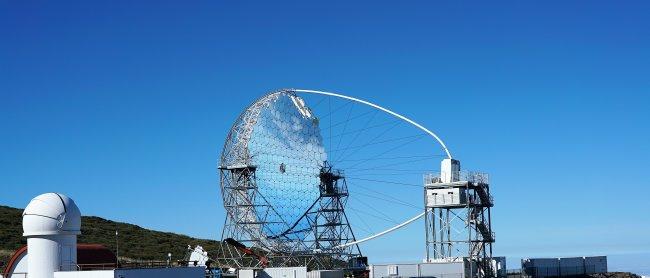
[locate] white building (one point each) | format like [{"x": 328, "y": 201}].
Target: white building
[{"x": 51, "y": 223}]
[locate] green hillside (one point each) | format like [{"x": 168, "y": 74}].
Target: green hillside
[{"x": 136, "y": 243}]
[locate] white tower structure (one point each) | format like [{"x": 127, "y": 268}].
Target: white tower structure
[
  {"x": 458, "y": 219},
  {"x": 51, "y": 223}
]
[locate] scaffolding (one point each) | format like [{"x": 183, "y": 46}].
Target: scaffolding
[
  {"x": 316, "y": 247},
  {"x": 458, "y": 220}
]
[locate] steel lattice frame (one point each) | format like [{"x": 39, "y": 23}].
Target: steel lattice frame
[
  {"x": 461, "y": 231},
  {"x": 276, "y": 142},
  {"x": 274, "y": 150}
]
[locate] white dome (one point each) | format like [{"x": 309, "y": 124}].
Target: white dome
[{"x": 51, "y": 214}]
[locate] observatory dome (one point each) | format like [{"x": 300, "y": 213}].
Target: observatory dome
[{"x": 51, "y": 214}]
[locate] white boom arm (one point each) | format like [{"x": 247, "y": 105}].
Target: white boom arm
[
  {"x": 382, "y": 233},
  {"x": 444, "y": 147}
]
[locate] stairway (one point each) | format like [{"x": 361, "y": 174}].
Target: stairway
[
  {"x": 485, "y": 232},
  {"x": 485, "y": 197}
]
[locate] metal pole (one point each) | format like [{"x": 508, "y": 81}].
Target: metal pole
[
  {"x": 426, "y": 224},
  {"x": 117, "y": 249}
]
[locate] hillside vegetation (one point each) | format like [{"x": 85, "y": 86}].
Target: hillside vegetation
[{"x": 136, "y": 243}]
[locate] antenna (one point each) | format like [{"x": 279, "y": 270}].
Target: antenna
[{"x": 117, "y": 249}]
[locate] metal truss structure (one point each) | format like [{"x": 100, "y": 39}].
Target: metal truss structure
[
  {"x": 330, "y": 228},
  {"x": 285, "y": 204},
  {"x": 458, "y": 221},
  {"x": 269, "y": 175}
]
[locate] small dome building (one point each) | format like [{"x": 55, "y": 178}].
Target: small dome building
[{"x": 51, "y": 223}]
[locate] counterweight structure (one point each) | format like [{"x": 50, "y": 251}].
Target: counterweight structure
[{"x": 457, "y": 218}]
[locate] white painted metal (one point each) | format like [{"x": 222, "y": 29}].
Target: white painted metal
[
  {"x": 444, "y": 269},
  {"x": 300, "y": 104},
  {"x": 382, "y": 233},
  {"x": 283, "y": 272},
  {"x": 336, "y": 273},
  {"x": 86, "y": 274},
  {"x": 51, "y": 223},
  {"x": 446, "y": 197},
  {"x": 199, "y": 256},
  {"x": 449, "y": 170},
  {"x": 442, "y": 144},
  {"x": 51, "y": 214},
  {"x": 393, "y": 270},
  {"x": 246, "y": 273},
  {"x": 249, "y": 122},
  {"x": 171, "y": 272}
]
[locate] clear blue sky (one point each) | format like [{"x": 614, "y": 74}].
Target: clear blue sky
[{"x": 124, "y": 106}]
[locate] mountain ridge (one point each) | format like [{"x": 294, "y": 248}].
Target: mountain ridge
[{"x": 135, "y": 242}]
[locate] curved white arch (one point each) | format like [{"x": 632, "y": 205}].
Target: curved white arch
[
  {"x": 444, "y": 147},
  {"x": 398, "y": 116},
  {"x": 382, "y": 233}
]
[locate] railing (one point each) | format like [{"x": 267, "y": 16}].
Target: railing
[
  {"x": 108, "y": 266},
  {"x": 471, "y": 176},
  {"x": 84, "y": 267},
  {"x": 144, "y": 264}
]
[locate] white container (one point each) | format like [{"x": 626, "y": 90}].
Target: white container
[
  {"x": 432, "y": 269},
  {"x": 283, "y": 272},
  {"x": 337, "y": 273},
  {"x": 246, "y": 273},
  {"x": 165, "y": 272},
  {"x": 444, "y": 269}
]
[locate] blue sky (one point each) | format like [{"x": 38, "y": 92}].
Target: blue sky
[{"x": 125, "y": 106}]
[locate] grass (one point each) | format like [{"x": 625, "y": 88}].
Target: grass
[{"x": 136, "y": 243}]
